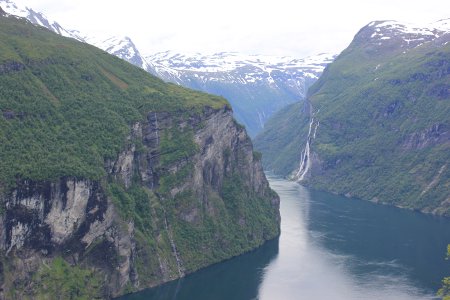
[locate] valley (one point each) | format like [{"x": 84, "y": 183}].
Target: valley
[
  {"x": 257, "y": 86},
  {"x": 131, "y": 172}
]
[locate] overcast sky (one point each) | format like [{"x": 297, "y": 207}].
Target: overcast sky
[{"x": 277, "y": 27}]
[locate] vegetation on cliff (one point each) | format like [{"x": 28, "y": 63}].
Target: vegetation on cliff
[
  {"x": 154, "y": 207},
  {"x": 67, "y": 106},
  {"x": 444, "y": 291},
  {"x": 383, "y": 125}
]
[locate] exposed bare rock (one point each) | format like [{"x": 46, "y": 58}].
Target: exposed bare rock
[{"x": 89, "y": 226}]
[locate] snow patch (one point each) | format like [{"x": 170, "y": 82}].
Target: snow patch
[
  {"x": 232, "y": 67},
  {"x": 36, "y": 18},
  {"x": 230, "y": 61},
  {"x": 413, "y": 35}
]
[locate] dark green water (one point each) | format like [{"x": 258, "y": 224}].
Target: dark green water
[{"x": 330, "y": 248}]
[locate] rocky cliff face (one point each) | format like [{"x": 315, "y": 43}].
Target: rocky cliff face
[
  {"x": 43, "y": 220},
  {"x": 163, "y": 211}
]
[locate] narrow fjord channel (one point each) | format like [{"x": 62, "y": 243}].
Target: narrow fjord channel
[{"x": 330, "y": 247}]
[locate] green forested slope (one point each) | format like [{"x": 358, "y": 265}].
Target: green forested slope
[
  {"x": 66, "y": 106},
  {"x": 382, "y": 112}
]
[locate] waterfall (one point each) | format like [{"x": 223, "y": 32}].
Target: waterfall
[
  {"x": 315, "y": 129},
  {"x": 260, "y": 117},
  {"x": 173, "y": 246},
  {"x": 156, "y": 128},
  {"x": 305, "y": 157}
]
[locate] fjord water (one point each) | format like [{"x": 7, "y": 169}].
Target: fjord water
[{"x": 330, "y": 247}]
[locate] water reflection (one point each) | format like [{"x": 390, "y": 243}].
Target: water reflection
[
  {"x": 237, "y": 278},
  {"x": 330, "y": 248},
  {"x": 381, "y": 239},
  {"x": 312, "y": 264}
]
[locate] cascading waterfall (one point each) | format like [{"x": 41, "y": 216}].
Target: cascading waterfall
[
  {"x": 173, "y": 246},
  {"x": 315, "y": 129},
  {"x": 305, "y": 158},
  {"x": 156, "y": 128},
  {"x": 156, "y": 131},
  {"x": 261, "y": 117}
]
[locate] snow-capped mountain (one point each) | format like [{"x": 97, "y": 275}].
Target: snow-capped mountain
[
  {"x": 378, "y": 120},
  {"x": 398, "y": 36},
  {"x": 256, "y": 85},
  {"x": 122, "y": 47},
  {"x": 37, "y": 18},
  {"x": 170, "y": 64}
]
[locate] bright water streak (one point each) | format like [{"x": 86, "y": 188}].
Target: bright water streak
[{"x": 303, "y": 269}]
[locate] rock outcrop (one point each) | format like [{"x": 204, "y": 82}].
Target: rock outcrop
[{"x": 133, "y": 242}]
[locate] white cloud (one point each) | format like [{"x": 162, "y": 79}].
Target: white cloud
[{"x": 282, "y": 27}]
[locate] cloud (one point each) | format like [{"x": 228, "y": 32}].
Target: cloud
[{"x": 283, "y": 27}]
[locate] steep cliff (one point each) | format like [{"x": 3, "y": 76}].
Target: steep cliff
[
  {"x": 376, "y": 124},
  {"x": 111, "y": 180}
]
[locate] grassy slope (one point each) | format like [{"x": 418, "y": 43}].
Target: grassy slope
[
  {"x": 69, "y": 106},
  {"x": 370, "y": 102}
]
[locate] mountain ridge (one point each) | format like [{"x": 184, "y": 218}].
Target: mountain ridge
[
  {"x": 256, "y": 85},
  {"x": 376, "y": 123}
]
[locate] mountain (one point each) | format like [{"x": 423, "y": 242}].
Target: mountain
[
  {"x": 122, "y": 47},
  {"x": 376, "y": 125},
  {"x": 38, "y": 18},
  {"x": 111, "y": 180},
  {"x": 256, "y": 85}
]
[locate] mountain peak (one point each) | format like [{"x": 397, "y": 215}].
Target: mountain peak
[
  {"x": 381, "y": 108},
  {"x": 36, "y": 18},
  {"x": 386, "y": 35},
  {"x": 407, "y": 28},
  {"x": 122, "y": 47}
]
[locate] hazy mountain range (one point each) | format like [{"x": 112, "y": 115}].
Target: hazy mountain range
[{"x": 255, "y": 85}]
